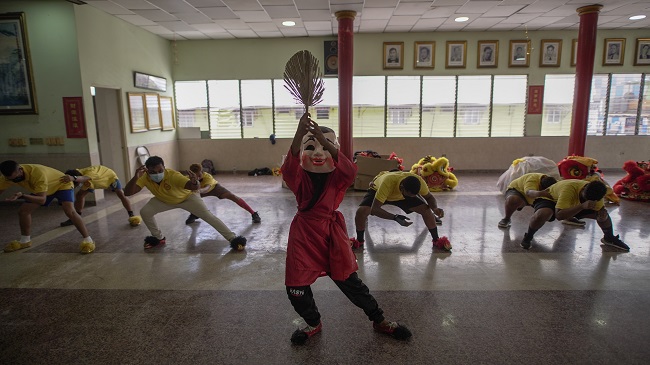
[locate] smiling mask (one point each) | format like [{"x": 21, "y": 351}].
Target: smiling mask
[{"x": 313, "y": 157}]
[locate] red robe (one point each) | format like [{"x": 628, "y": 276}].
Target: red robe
[{"x": 318, "y": 239}]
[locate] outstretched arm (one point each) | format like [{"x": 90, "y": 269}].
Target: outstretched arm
[
  {"x": 303, "y": 128},
  {"x": 131, "y": 187}
]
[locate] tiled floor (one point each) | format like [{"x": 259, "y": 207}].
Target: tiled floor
[{"x": 565, "y": 301}]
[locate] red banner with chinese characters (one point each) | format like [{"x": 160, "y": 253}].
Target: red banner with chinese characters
[
  {"x": 73, "y": 112},
  {"x": 535, "y": 99}
]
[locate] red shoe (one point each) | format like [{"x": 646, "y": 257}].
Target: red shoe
[
  {"x": 393, "y": 329},
  {"x": 442, "y": 243},
  {"x": 355, "y": 243},
  {"x": 299, "y": 337}
]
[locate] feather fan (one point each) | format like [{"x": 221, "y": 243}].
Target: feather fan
[{"x": 303, "y": 79}]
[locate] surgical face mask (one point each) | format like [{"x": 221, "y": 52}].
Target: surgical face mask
[{"x": 157, "y": 177}]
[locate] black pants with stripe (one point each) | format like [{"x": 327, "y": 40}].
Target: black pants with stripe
[{"x": 302, "y": 299}]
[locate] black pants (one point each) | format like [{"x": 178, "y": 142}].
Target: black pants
[{"x": 302, "y": 299}]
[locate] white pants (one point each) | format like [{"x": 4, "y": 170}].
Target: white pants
[{"x": 193, "y": 204}]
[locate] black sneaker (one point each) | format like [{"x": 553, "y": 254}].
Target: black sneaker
[
  {"x": 525, "y": 243},
  {"x": 299, "y": 337},
  {"x": 66, "y": 223},
  {"x": 151, "y": 242},
  {"x": 616, "y": 242},
  {"x": 438, "y": 221},
  {"x": 504, "y": 223},
  {"x": 256, "y": 218},
  {"x": 573, "y": 221},
  {"x": 238, "y": 243},
  {"x": 191, "y": 219}
]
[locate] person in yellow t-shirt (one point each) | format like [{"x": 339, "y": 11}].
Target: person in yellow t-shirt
[
  {"x": 528, "y": 190},
  {"x": 96, "y": 177},
  {"x": 584, "y": 199},
  {"x": 44, "y": 185},
  {"x": 173, "y": 190},
  {"x": 211, "y": 187},
  {"x": 407, "y": 191}
]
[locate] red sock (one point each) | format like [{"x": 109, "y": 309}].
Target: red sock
[{"x": 243, "y": 204}]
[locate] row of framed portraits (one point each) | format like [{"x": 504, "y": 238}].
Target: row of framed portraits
[
  {"x": 519, "y": 53},
  {"x": 150, "y": 111}
]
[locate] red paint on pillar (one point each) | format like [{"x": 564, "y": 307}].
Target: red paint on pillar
[
  {"x": 584, "y": 75},
  {"x": 346, "y": 58}
]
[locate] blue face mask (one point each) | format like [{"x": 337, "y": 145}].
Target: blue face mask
[{"x": 157, "y": 177}]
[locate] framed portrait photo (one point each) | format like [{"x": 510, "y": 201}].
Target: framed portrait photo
[
  {"x": 550, "y": 53},
  {"x": 424, "y": 54},
  {"x": 642, "y": 53},
  {"x": 574, "y": 52},
  {"x": 488, "y": 54},
  {"x": 613, "y": 51},
  {"x": 393, "y": 55},
  {"x": 18, "y": 92},
  {"x": 456, "y": 54},
  {"x": 519, "y": 55}
]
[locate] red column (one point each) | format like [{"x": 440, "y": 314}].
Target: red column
[
  {"x": 346, "y": 56},
  {"x": 584, "y": 74}
]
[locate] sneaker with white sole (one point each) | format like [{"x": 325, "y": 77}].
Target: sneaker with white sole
[
  {"x": 526, "y": 242},
  {"x": 256, "y": 218},
  {"x": 573, "y": 221},
  {"x": 504, "y": 223},
  {"x": 299, "y": 337},
  {"x": 394, "y": 329},
  {"x": 616, "y": 242}
]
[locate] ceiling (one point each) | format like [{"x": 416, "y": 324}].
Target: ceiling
[{"x": 226, "y": 19}]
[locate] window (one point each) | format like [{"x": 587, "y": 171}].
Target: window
[
  {"x": 368, "y": 109},
  {"x": 623, "y": 104},
  {"x": 508, "y": 106},
  {"x": 438, "y": 104},
  {"x": 644, "y": 119},
  {"x": 473, "y": 106},
  {"x": 597, "y": 105},
  {"x": 558, "y": 105},
  {"x": 224, "y": 109},
  {"x": 322, "y": 113},
  {"x": 403, "y": 102},
  {"x": 192, "y": 104},
  {"x": 257, "y": 108},
  {"x": 287, "y": 111}
]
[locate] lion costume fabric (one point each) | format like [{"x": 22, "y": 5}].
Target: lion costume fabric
[
  {"x": 636, "y": 185},
  {"x": 436, "y": 172},
  {"x": 526, "y": 165},
  {"x": 584, "y": 168}
]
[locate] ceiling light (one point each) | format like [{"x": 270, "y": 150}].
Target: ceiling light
[
  {"x": 288, "y": 23},
  {"x": 461, "y": 19},
  {"x": 637, "y": 17}
]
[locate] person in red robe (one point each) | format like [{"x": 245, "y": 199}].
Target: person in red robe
[{"x": 318, "y": 244}]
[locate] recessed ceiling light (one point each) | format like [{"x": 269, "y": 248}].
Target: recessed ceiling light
[
  {"x": 637, "y": 17},
  {"x": 288, "y": 23},
  {"x": 461, "y": 19}
]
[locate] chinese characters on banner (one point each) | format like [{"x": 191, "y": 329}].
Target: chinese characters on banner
[
  {"x": 73, "y": 113},
  {"x": 535, "y": 99}
]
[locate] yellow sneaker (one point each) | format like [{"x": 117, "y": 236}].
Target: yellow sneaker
[
  {"x": 87, "y": 247},
  {"x": 16, "y": 245},
  {"x": 135, "y": 220}
]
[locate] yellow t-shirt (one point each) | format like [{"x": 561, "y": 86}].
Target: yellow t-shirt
[
  {"x": 38, "y": 179},
  {"x": 207, "y": 179},
  {"x": 171, "y": 189},
  {"x": 387, "y": 185},
  {"x": 566, "y": 193},
  {"x": 101, "y": 177},
  {"x": 530, "y": 181}
]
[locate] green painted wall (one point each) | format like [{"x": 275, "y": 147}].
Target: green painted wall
[{"x": 55, "y": 67}]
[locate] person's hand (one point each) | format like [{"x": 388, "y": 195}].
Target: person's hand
[
  {"x": 140, "y": 171},
  {"x": 66, "y": 179},
  {"x": 15, "y": 197},
  {"x": 589, "y": 204},
  {"x": 439, "y": 212},
  {"x": 403, "y": 221},
  {"x": 305, "y": 125}
]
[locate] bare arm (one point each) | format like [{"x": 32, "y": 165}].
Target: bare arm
[
  {"x": 538, "y": 194},
  {"x": 433, "y": 205},
  {"x": 38, "y": 198},
  {"x": 562, "y": 214},
  {"x": 303, "y": 128},
  {"x": 193, "y": 184},
  {"x": 78, "y": 179},
  {"x": 131, "y": 187}
]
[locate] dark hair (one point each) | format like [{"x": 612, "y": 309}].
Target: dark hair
[
  {"x": 550, "y": 46},
  {"x": 411, "y": 184},
  {"x": 8, "y": 167},
  {"x": 326, "y": 129},
  {"x": 487, "y": 48},
  {"x": 546, "y": 181},
  {"x": 153, "y": 161},
  {"x": 73, "y": 172},
  {"x": 595, "y": 190}
]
